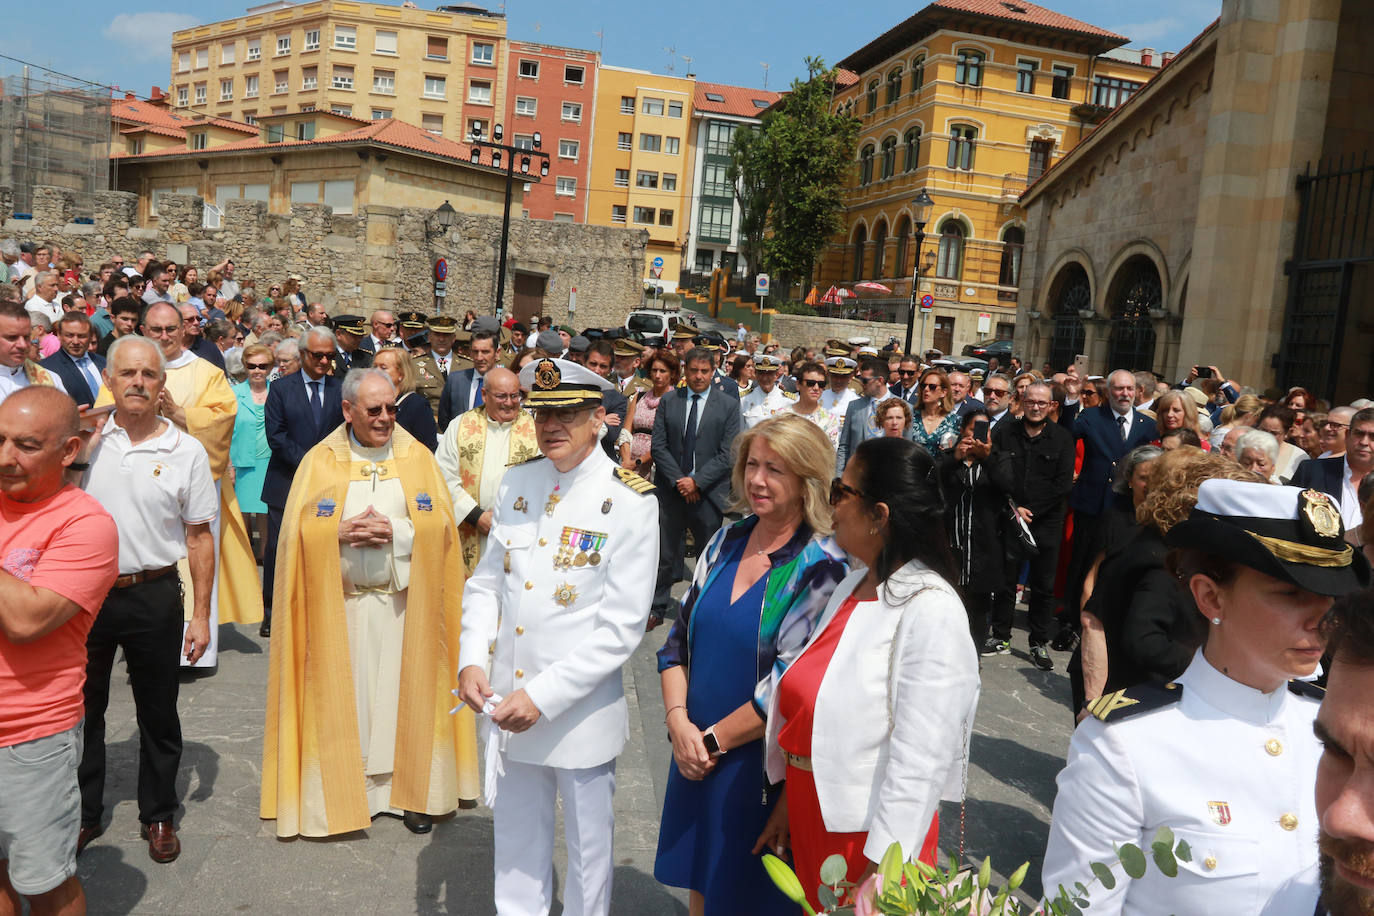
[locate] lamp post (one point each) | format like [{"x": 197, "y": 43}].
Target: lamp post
[
  {"x": 509, "y": 154},
  {"x": 920, "y": 211},
  {"x": 444, "y": 218}
]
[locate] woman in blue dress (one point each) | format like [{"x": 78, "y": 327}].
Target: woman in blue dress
[
  {"x": 248, "y": 451},
  {"x": 759, "y": 588},
  {"x": 936, "y": 423}
]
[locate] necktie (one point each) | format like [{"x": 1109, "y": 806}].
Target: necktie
[
  {"x": 316, "y": 401},
  {"x": 92, "y": 378},
  {"x": 1121, "y": 422},
  {"x": 477, "y": 398},
  {"x": 689, "y": 437}
]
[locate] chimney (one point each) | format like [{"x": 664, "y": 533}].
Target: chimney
[
  {"x": 156, "y": 94},
  {"x": 1147, "y": 57},
  {"x": 1166, "y": 58},
  {"x": 129, "y": 97}
]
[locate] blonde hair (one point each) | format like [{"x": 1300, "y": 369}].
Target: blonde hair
[
  {"x": 1174, "y": 479},
  {"x": 1189, "y": 410},
  {"x": 407, "y": 383},
  {"x": 807, "y": 453},
  {"x": 1246, "y": 407},
  {"x": 947, "y": 399}
]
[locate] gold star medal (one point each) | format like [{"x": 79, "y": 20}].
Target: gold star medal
[
  {"x": 565, "y": 595},
  {"x": 554, "y": 497}
]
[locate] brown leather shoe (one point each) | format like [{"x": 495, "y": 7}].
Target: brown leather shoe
[
  {"x": 84, "y": 837},
  {"x": 163, "y": 845}
]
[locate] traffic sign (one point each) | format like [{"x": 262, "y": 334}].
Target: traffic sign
[
  {"x": 656, "y": 271},
  {"x": 658, "y": 262},
  {"x": 761, "y": 285},
  {"x": 441, "y": 269},
  {"x": 927, "y": 302}
]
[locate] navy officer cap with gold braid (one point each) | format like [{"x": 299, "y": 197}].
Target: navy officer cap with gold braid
[{"x": 561, "y": 383}]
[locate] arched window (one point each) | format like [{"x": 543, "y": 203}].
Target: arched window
[
  {"x": 872, "y": 95},
  {"x": 860, "y": 237},
  {"x": 918, "y": 73},
  {"x": 1013, "y": 242},
  {"x": 879, "y": 249},
  {"x": 866, "y": 165},
  {"x": 1135, "y": 291},
  {"x": 949, "y": 264},
  {"x": 912, "y": 142},
  {"x": 962, "y": 140},
  {"x": 1070, "y": 294},
  {"x": 968, "y": 70},
  {"x": 894, "y": 84},
  {"x": 889, "y": 165},
  {"x": 903, "y": 233}
]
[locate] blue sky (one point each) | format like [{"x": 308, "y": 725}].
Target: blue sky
[{"x": 728, "y": 41}]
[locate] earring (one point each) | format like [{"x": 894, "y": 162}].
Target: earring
[
  {"x": 872, "y": 530},
  {"x": 1216, "y": 621}
]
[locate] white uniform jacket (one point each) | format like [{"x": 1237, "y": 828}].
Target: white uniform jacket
[
  {"x": 1229, "y": 769},
  {"x": 563, "y": 633},
  {"x": 758, "y": 405},
  {"x": 894, "y": 715}
]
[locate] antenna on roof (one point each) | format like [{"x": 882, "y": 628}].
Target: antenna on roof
[
  {"x": 687, "y": 59},
  {"x": 672, "y": 58},
  {"x": 764, "y": 65},
  {"x": 601, "y": 39}
]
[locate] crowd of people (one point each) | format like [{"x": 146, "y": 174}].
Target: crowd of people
[{"x": 390, "y": 499}]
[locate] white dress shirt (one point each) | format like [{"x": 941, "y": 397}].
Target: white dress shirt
[
  {"x": 11, "y": 380},
  {"x": 1351, "y": 513}
]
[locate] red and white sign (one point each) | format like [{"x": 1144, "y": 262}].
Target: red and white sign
[{"x": 441, "y": 269}]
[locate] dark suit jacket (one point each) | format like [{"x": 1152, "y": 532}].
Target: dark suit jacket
[
  {"x": 1102, "y": 446},
  {"x": 1325, "y": 474},
  {"x": 292, "y": 431},
  {"x": 969, "y": 403},
  {"x": 454, "y": 401},
  {"x": 360, "y": 359},
  {"x": 64, "y": 367},
  {"x": 852, "y": 433},
  {"x": 615, "y": 403},
  {"x": 415, "y": 417},
  {"x": 206, "y": 350},
  {"x": 720, "y": 421}
]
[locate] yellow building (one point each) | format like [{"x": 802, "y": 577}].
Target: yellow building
[
  {"x": 640, "y": 170},
  {"x": 307, "y": 157},
  {"x": 441, "y": 69},
  {"x": 971, "y": 105}
]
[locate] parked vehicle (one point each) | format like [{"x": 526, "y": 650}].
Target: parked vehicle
[
  {"x": 999, "y": 347},
  {"x": 653, "y": 325}
]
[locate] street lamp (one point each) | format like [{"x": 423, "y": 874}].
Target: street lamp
[
  {"x": 517, "y": 159},
  {"x": 920, "y": 212},
  {"x": 445, "y": 216}
]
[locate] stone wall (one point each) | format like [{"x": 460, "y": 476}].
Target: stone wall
[
  {"x": 380, "y": 257},
  {"x": 805, "y": 331}
]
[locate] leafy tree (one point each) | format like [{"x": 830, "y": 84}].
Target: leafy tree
[{"x": 790, "y": 174}]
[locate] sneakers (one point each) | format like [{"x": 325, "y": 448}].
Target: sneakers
[
  {"x": 1065, "y": 641},
  {"x": 1040, "y": 657},
  {"x": 994, "y": 646}
]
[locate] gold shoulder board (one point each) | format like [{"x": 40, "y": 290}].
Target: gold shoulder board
[
  {"x": 1122, "y": 704},
  {"x": 1307, "y": 690},
  {"x": 632, "y": 480}
]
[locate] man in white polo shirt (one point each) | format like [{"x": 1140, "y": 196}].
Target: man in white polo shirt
[{"x": 154, "y": 479}]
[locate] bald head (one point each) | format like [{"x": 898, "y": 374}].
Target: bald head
[
  {"x": 501, "y": 388},
  {"x": 162, "y": 324},
  {"x": 39, "y": 429}
]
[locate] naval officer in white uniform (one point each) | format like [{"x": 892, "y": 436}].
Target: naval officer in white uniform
[
  {"x": 558, "y": 603},
  {"x": 1225, "y": 756},
  {"x": 767, "y": 398}
]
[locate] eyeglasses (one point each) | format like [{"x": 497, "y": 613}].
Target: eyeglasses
[
  {"x": 932, "y": 386},
  {"x": 999, "y": 392},
  {"x": 503, "y": 398},
  {"x": 906, "y": 373},
  {"x": 264, "y": 367},
  {"x": 839, "y": 490},
  {"x": 385, "y": 324},
  {"x": 563, "y": 416},
  {"x": 1332, "y": 424},
  {"x": 865, "y": 379},
  {"x": 812, "y": 382},
  {"x": 238, "y": 337},
  {"x": 274, "y": 289},
  {"x": 319, "y": 354},
  {"x": 1035, "y": 403},
  {"x": 159, "y": 331},
  {"x": 375, "y": 412}
]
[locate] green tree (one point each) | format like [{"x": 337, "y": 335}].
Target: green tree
[{"x": 790, "y": 174}]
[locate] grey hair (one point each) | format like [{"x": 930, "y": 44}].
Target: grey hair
[
  {"x": 1125, "y": 467},
  {"x": 134, "y": 340},
  {"x": 355, "y": 378},
  {"x": 323, "y": 334},
  {"x": 9, "y": 248},
  {"x": 271, "y": 339},
  {"x": 287, "y": 349},
  {"x": 91, "y": 290},
  {"x": 1258, "y": 440},
  {"x": 42, "y": 275}
]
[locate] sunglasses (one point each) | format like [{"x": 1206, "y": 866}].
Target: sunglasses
[
  {"x": 385, "y": 324},
  {"x": 375, "y": 412},
  {"x": 932, "y": 386},
  {"x": 812, "y": 382},
  {"x": 906, "y": 373},
  {"x": 560, "y": 415},
  {"x": 1000, "y": 392},
  {"x": 317, "y": 354},
  {"x": 260, "y": 366},
  {"x": 839, "y": 490}
]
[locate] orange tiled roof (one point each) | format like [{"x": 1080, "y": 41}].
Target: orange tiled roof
[
  {"x": 732, "y": 100},
  {"x": 1029, "y": 13},
  {"x": 135, "y": 111}
]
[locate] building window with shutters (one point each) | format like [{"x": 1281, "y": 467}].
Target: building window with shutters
[
  {"x": 1040, "y": 151},
  {"x": 866, "y": 165},
  {"x": 918, "y": 73},
  {"x": 968, "y": 68},
  {"x": 872, "y": 95},
  {"x": 1013, "y": 243},
  {"x": 912, "y": 142},
  {"x": 1062, "y": 81},
  {"x": 949, "y": 262},
  {"x": 962, "y": 140},
  {"x": 889, "y": 157},
  {"x": 1025, "y": 75},
  {"x": 894, "y": 84}
]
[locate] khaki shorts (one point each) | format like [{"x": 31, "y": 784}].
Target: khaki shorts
[{"x": 40, "y": 810}]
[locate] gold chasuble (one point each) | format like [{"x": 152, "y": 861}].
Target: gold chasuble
[
  {"x": 318, "y": 777},
  {"x": 472, "y": 458}
]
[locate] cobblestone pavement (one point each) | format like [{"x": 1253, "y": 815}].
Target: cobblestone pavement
[{"x": 231, "y": 861}]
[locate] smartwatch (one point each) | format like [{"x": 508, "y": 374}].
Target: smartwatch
[{"x": 713, "y": 747}]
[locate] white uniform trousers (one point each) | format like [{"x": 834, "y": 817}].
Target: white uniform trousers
[{"x": 524, "y": 823}]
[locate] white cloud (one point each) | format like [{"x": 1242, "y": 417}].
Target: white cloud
[{"x": 148, "y": 30}]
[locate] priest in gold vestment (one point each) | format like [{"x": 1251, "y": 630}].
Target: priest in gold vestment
[
  {"x": 368, "y": 591},
  {"x": 475, "y": 451},
  {"x": 198, "y": 399}
]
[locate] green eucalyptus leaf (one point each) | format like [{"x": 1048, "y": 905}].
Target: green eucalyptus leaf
[
  {"x": 787, "y": 882},
  {"x": 1163, "y": 835},
  {"x": 1104, "y": 875},
  {"x": 827, "y": 897},
  {"x": 1183, "y": 851},
  {"x": 1165, "y": 861},
  {"x": 1132, "y": 860},
  {"x": 834, "y": 869}
]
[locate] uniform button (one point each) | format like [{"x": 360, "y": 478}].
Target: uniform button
[
  {"x": 519, "y": 672},
  {"x": 529, "y": 585},
  {"x": 1274, "y": 746},
  {"x": 507, "y": 542},
  {"x": 519, "y": 631},
  {"x": 1210, "y": 863},
  {"x": 543, "y": 542},
  {"x": 1289, "y": 822}
]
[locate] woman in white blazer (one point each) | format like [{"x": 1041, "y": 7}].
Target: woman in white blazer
[{"x": 870, "y": 726}]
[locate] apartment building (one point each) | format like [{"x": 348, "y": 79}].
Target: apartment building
[
  {"x": 640, "y": 176},
  {"x": 970, "y": 101},
  {"x": 552, "y": 93},
  {"x": 443, "y": 69}
]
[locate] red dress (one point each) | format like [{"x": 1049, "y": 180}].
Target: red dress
[{"x": 812, "y": 843}]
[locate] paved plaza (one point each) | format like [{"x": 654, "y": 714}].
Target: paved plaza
[{"x": 232, "y": 862}]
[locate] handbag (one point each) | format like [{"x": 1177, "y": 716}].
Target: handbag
[{"x": 1024, "y": 538}]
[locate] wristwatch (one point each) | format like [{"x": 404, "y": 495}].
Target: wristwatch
[{"x": 713, "y": 747}]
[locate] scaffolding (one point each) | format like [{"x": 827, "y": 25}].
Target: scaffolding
[{"x": 54, "y": 130}]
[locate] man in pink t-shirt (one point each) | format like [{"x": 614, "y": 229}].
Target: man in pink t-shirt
[{"x": 59, "y": 555}]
